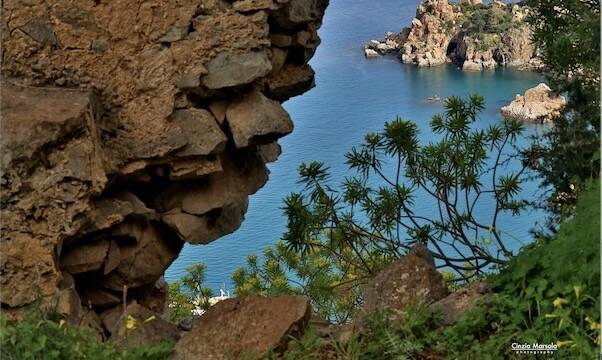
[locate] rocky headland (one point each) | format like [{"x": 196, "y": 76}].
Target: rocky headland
[
  {"x": 130, "y": 128},
  {"x": 537, "y": 104},
  {"x": 470, "y": 34}
]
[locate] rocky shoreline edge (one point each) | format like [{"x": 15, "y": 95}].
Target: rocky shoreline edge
[{"x": 470, "y": 34}]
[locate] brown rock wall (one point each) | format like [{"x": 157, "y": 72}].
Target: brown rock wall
[{"x": 131, "y": 127}]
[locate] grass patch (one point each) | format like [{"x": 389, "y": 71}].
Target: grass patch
[{"x": 44, "y": 337}]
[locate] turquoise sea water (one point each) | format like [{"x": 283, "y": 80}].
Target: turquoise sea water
[{"x": 353, "y": 96}]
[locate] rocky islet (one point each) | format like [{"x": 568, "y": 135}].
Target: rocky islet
[
  {"x": 439, "y": 34},
  {"x": 538, "y": 104}
]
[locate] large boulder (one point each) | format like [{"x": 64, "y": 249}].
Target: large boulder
[
  {"x": 255, "y": 119},
  {"x": 248, "y": 327},
  {"x": 229, "y": 69},
  {"x": 138, "y": 326},
  {"x": 537, "y": 104},
  {"x": 411, "y": 279},
  {"x": 85, "y": 257},
  {"x": 145, "y": 255}
]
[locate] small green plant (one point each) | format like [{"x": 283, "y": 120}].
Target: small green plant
[
  {"x": 40, "y": 336},
  {"x": 403, "y": 336},
  {"x": 189, "y": 293},
  {"x": 317, "y": 275},
  {"x": 308, "y": 347}
]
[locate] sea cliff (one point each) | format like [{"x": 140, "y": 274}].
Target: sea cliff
[{"x": 130, "y": 128}]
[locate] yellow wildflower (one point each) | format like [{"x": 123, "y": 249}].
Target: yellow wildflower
[
  {"x": 559, "y": 302},
  {"x": 577, "y": 290},
  {"x": 61, "y": 323},
  {"x": 593, "y": 325},
  {"x": 130, "y": 323},
  {"x": 564, "y": 343}
]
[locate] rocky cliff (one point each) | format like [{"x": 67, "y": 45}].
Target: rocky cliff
[
  {"x": 131, "y": 127},
  {"x": 470, "y": 34}
]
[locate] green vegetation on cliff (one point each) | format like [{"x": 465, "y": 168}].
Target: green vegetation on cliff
[
  {"x": 340, "y": 237},
  {"x": 537, "y": 299},
  {"x": 488, "y": 19},
  {"x": 43, "y": 336},
  {"x": 568, "y": 34}
]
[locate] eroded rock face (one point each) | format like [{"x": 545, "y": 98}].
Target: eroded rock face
[
  {"x": 411, "y": 279},
  {"x": 131, "y": 127},
  {"x": 248, "y": 327},
  {"x": 537, "y": 104},
  {"x": 438, "y": 35},
  {"x": 429, "y": 35}
]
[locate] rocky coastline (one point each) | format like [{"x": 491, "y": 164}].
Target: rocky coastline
[{"x": 470, "y": 34}]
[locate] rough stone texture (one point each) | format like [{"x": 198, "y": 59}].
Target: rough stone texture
[
  {"x": 454, "y": 306},
  {"x": 84, "y": 257},
  {"x": 436, "y": 36},
  {"x": 130, "y": 127},
  {"x": 537, "y": 104},
  {"x": 230, "y": 69},
  {"x": 149, "y": 328},
  {"x": 254, "y": 117},
  {"x": 244, "y": 328},
  {"x": 51, "y": 167},
  {"x": 428, "y": 39},
  {"x": 411, "y": 279}
]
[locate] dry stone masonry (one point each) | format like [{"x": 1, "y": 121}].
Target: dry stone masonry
[{"x": 130, "y": 127}]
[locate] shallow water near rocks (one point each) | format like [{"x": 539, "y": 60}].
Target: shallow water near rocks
[{"x": 353, "y": 96}]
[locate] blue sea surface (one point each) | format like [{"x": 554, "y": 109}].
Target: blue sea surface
[{"x": 353, "y": 96}]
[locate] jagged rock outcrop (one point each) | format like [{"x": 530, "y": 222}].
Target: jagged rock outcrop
[
  {"x": 444, "y": 32},
  {"x": 537, "y": 104},
  {"x": 131, "y": 127},
  {"x": 248, "y": 327},
  {"x": 432, "y": 29}
]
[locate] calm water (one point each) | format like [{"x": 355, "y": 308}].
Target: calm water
[{"x": 354, "y": 96}]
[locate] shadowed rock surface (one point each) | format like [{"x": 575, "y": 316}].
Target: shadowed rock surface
[
  {"x": 131, "y": 127},
  {"x": 454, "y": 306},
  {"x": 248, "y": 327},
  {"x": 409, "y": 280}
]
